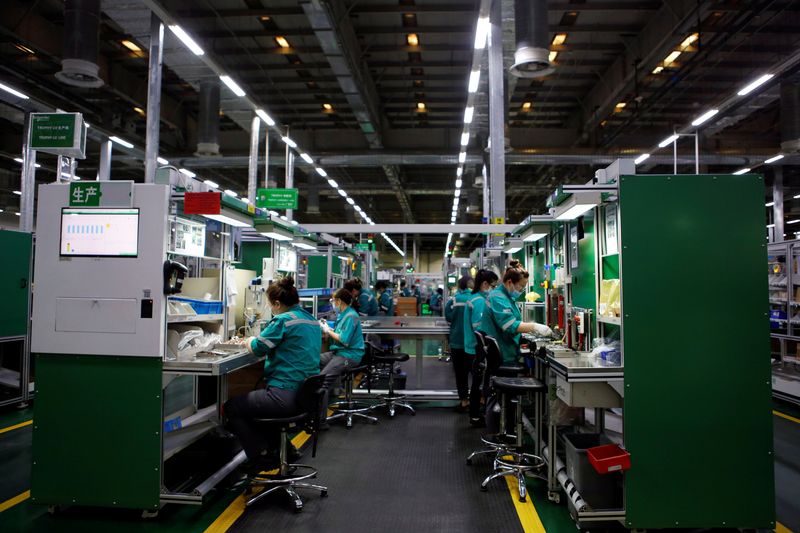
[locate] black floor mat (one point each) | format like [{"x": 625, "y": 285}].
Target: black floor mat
[
  {"x": 403, "y": 474},
  {"x": 436, "y": 375}
]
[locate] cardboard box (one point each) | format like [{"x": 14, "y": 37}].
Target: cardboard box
[{"x": 406, "y": 306}]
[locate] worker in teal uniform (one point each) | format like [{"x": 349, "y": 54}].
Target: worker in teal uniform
[
  {"x": 485, "y": 281},
  {"x": 385, "y": 300},
  {"x": 365, "y": 299},
  {"x": 436, "y": 302},
  {"x": 347, "y": 342},
  {"x": 502, "y": 318},
  {"x": 462, "y": 363},
  {"x": 405, "y": 292},
  {"x": 291, "y": 342}
]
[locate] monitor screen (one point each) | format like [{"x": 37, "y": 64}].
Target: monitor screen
[{"x": 100, "y": 232}]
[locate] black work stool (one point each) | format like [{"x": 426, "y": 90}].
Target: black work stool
[
  {"x": 349, "y": 408},
  {"x": 391, "y": 400},
  {"x": 293, "y": 476},
  {"x": 513, "y": 461},
  {"x": 493, "y": 366}
]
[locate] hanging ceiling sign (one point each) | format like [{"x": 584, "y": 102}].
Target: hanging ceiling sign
[{"x": 59, "y": 134}]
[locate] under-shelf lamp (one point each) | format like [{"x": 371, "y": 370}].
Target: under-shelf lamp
[
  {"x": 304, "y": 243},
  {"x": 272, "y": 230},
  {"x": 513, "y": 245},
  {"x": 535, "y": 232},
  {"x": 577, "y": 204}
]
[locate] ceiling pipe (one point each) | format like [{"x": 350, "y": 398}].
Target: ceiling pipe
[
  {"x": 208, "y": 119},
  {"x": 532, "y": 56},
  {"x": 81, "y": 31}
]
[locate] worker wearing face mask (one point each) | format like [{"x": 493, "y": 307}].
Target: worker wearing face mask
[
  {"x": 385, "y": 300},
  {"x": 462, "y": 363},
  {"x": 485, "y": 281}
]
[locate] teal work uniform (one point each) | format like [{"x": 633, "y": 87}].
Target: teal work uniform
[
  {"x": 455, "y": 316},
  {"x": 473, "y": 315},
  {"x": 367, "y": 304},
  {"x": 386, "y": 303},
  {"x": 351, "y": 340},
  {"x": 406, "y": 293},
  {"x": 501, "y": 319},
  {"x": 292, "y": 342},
  {"x": 436, "y": 303}
]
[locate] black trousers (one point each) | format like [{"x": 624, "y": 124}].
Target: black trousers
[
  {"x": 476, "y": 391},
  {"x": 271, "y": 402},
  {"x": 462, "y": 366}
]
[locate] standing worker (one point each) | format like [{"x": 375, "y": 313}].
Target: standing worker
[
  {"x": 462, "y": 363},
  {"x": 365, "y": 299},
  {"x": 385, "y": 300},
  {"x": 291, "y": 342},
  {"x": 485, "y": 281},
  {"x": 405, "y": 292},
  {"x": 436, "y": 302}
]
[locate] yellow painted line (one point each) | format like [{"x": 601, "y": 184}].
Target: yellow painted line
[
  {"x": 8, "y": 504},
  {"x": 232, "y": 513},
  {"x": 780, "y": 528},
  {"x": 17, "y": 426},
  {"x": 787, "y": 417},
  {"x": 528, "y": 517}
]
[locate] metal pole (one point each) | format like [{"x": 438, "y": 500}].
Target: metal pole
[
  {"x": 28, "y": 181},
  {"x": 252, "y": 166},
  {"x": 405, "y": 246},
  {"x": 289, "y": 173},
  {"x": 497, "y": 103},
  {"x": 777, "y": 209},
  {"x": 104, "y": 168},
  {"x": 330, "y": 267},
  {"x": 697, "y": 153},
  {"x": 266, "y": 158},
  {"x": 153, "y": 98},
  {"x": 675, "y": 156},
  {"x": 414, "y": 251}
]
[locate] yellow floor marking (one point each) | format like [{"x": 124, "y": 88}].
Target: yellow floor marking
[
  {"x": 780, "y": 528},
  {"x": 8, "y": 504},
  {"x": 237, "y": 506},
  {"x": 787, "y": 417},
  {"x": 528, "y": 517},
  {"x": 17, "y": 426}
]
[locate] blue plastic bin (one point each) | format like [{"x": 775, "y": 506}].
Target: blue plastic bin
[{"x": 202, "y": 307}]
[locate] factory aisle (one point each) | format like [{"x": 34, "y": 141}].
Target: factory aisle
[{"x": 786, "y": 424}]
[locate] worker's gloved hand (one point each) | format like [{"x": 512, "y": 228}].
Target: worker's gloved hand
[
  {"x": 325, "y": 327},
  {"x": 543, "y": 331}
]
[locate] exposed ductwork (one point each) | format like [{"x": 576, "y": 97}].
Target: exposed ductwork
[
  {"x": 208, "y": 119},
  {"x": 312, "y": 198},
  {"x": 790, "y": 117},
  {"x": 81, "y": 30},
  {"x": 532, "y": 56}
]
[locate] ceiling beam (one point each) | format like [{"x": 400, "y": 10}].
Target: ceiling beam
[{"x": 396, "y": 229}]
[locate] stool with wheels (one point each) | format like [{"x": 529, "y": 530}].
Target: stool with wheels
[
  {"x": 348, "y": 409},
  {"x": 391, "y": 400}
]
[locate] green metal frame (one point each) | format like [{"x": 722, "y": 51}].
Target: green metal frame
[
  {"x": 15, "y": 275},
  {"x": 697, "y": 415}
]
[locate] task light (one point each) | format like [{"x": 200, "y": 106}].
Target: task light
[
  {"x": 576, "y": 205},
  {"x": 536, "y": 232},
  {"x": 512, "y": 245}
]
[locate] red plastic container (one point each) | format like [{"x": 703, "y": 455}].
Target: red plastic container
[{"x": 609, "y": 458}]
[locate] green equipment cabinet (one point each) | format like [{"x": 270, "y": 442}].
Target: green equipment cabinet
[{"x": 16, "y": 370}]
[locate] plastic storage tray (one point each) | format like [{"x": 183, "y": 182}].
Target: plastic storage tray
[
  {"x": 202, "y": 307},
  {"x": 609, "y": 458},
  {"x": 599, "y": 491}
]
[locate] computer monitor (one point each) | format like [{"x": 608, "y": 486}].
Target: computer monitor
[{"x": 99, "y": 232}]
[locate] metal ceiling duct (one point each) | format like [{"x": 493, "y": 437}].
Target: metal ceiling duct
[
  {"x": 208, "y": 119},
  {"x": 532, "y": 56},
  {"x": 312, "y": 198},
  {"x": 790, "y": 117},
  {"x": 81, "y": 30}
]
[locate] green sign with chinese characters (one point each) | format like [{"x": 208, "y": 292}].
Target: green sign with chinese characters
[
  {"x": 59, "y": 134},
  {"x": 101, "y": 194},
  {"x": 364, "y": 246},
  {"x": 84, "y": 194},
  {"x": 277, "y": 198}
]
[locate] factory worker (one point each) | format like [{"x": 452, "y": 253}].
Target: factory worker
[
  {"x": 485, "y": 281},
  {"x": 502, "y": 318},
  {"x": 363, "y": 297},
  {"x": 462, "y": 363},
  {"x": 436, "y": 302},
  {"x": 405, "y": 292},
  {"x": 347, "y": 341},
  {"x": 385, "y": 300},
  {"x": 291, "y": 342}
]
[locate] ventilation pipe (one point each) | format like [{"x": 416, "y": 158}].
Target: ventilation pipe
[
  {"x": 312, "y": 199},
  {"x": 208, "y": 119},
  {"x": 790, "y": 117},
  {"x": 81, "y": 29},
  {"x": 532, "y": 56}
]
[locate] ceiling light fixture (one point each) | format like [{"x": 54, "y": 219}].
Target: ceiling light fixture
[
  {"x": 468, "y": 113},
  {"x": 658, "y": 70},
  {"x": 620, "y": 106},
  {"x": 212, "y": 184},
  {"x": 462, "y": 157},
  {"x": 420, "y": 106},
  {"x": 161, "y": 161},
  {"x": 459, "y": 183},
  {"x": 551, "y": 57},
  {"x": 307, "y": 158},
  {"x": 641, "y": 159},
  {"x": 327, "y": 107},
  {"x": 481, "y": 33},
  {"x": 139, "y": 110},
  {"x": 670, "y": 59},
  {"x": 282, "y": 42},
  {"x": 23, "y": 48},
  {"x": 186, "y": 172},
  {"x": 333, "y": 184},
  {"x": 669, "y": 140},
  {"x": 704, "y": 117},
  {"x": 769, "y": 204},
  {"x": 231, "y": 193},
  {"x": 689, "y": 40},
  {"x": 474, "y": 81},
  {"x": 130, "y": 45},
  {"x": 526, "y": 106},
  {"x": 121, "y": 142},
  {"x": 351, "y": 201},
  {"x": 559, "y": 39},
  {"x": 186, "y": 40},
  {"x": 265, "y": 117},
  {"x": 465, "y": 138},
  {"x": 232, "y": 85},
  {"x": 773, "y": 159},
  {"x": 756, "y": 84},
  {"x": 412, "y": 39},
  {"x": 342, "y": 193},
  {"x": 321, "y": 172},
  {"x": 13, "y": 91},
  {"x": 741, "y": 171},
  {"x": 289, "y": 141}
]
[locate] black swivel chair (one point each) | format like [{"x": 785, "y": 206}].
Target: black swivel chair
[
  {"x": 390, "y": 358},
  {"x": 348, "y": 409},
  {"x": 293, "y": 476}
]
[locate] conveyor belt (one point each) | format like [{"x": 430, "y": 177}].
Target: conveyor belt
[{"x": 404, "y": 474}]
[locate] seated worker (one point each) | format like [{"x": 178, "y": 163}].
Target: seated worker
[
  {"x": 347, "y": 342},
  {"x": 485, "y": 281},
  {"x": 405, "y": 292},
  {"x": 462, "y": 363},
  {"x": 292, "y": 342},
  {"x": 385, "y": 300},
  {"x": 436, "y": 302},
  {"x": 364, "y": 298}
]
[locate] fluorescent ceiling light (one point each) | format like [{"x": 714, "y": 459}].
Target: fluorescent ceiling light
[
  {"x": 289, "y": 142},
  {"x": 121, "y": 142},
  {"x": 459, "y": 171},
  {"x": 187, "y": 172},
  {"x": 669, "y": 140},
  {"x": 464, "y": 139},
  {"x": 130, "y": 45},
  {"x": 285, "y": 218},
  {"x": 756, "y": 84},
  {"x": 282, "y": 42},
  {"x": 671, "y": 58},
  {"x": 231, "y": 218},
  {"x": 162, "y": 161},
  {"x": 793, "y": 221},
  {"x": 231, "y": 193},
  {"x": 773, "y": 159},
  {"x": 551, "y": 57},
  {"x": 796, "y": 196},
  {"x": 333, "y": 184},
  {"x": 689, "y": 40},
  {"x": 18, "y": 193},
  {"x": 13, "y": 91},
  {"x": 232, "y": 85},
  {"x": 321, "y": 172},
  {"x": 212, "y": 184},
  {"x": 576, "y": 205},
  {"x": 559, "y": 39},
  {"x": 459, "y": 183},
  {"x": 186, "y": 40},
  {"x": 357, "y": 208},
  {"x": 351, "y": 201},
  {"x": 704, "y": 117},
  {"x": 770, "y": 225},
  {"x": 468, "y": 112},
  {"x": 412, "y": 39},
  {"x": 769, "y": 204},
  {"x": 20, "y": 161},
  {"x": 741, "y": 171},
  {"x": 458, "y": 193},
  {"x": 474, "y": 80},
  {"x": 342, "y": 193},
  {"x": 295, "y": 223},
  {"x": 481, "y": 33},
  {"x": 658, "y": 70},
  {"x": 462, "y": 157},
  {"x": 265, "y": 117},
  {"x": 641, "y": 159},
  {"x": 307, "y": 158}
]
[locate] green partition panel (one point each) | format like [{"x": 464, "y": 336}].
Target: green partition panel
[
  {"x": 252, "y": 255},
  {"x": 697, "y": 415},
  {"x": 97, "y": 431},
  {"x": 584, "y": 291},
  {"x": 318, "y": 272},
  {"x": 15, "y": 273}
]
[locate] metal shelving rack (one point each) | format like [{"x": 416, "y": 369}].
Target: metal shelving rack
[{"x": 784, "y": 281}]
